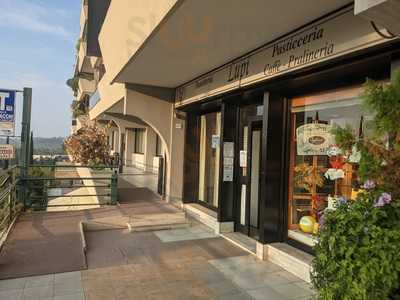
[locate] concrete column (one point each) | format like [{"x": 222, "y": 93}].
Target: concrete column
[
  {"x": 116, "y": 140},
  {"x": 121, "y": 131},
  {"x": 130, "y": 142},
  {"x": 150, "y": 149},
  {"x": 175, "y": 178}
]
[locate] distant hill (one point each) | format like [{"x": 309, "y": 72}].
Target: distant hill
[
  {"x": 54, "y": 145},
  {"x": 42, "y": 146}
]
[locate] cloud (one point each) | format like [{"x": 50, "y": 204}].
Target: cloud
[{"x": 27, "y": 16}]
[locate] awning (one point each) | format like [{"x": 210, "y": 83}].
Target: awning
[{"x": 198, "y": 36}]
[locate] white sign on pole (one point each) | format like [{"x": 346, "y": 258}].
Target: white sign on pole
[
  {"x": 7, "y": 152},
  {"x": 7, "y": 112}
]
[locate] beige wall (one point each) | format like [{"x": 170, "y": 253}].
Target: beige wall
[
  {"x": 127, "y": 25},
  {"x": 146, "y": 161},
  {"x": 159, "y": 115}
]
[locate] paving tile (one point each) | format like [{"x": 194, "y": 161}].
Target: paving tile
[
  {"x": 292, "y": 290},
  {"x": 38, "y": 293},
  {"x": 11, "y": 294},
  {"x": 186, "y": 234},
  {"x": 100, "y": 294},
  {"x": 307, "y": 298},
  {"x": 130, "y": 292},
  {"x": 289, "y": 277},
  {"x": 76, "y": 296},
  {"x": 97, "y": 284},
  {"x": 95, "y": 273},
  {"x": 224, "y": 288},
  {"x": 209, "y": 275},
  {"x": 239, "y": 296},
  {"x": 248, "y": 283},
  {"x": 40, "y": 281},
  {"x": 121, "y": 271},
  {"x": 266, "y": 293},
  {"x": 12, "y": 284},
  {"x": 125, "y": 282},
  {"x": 68, "y": 286},
  {"x": 61, "y": 277}
]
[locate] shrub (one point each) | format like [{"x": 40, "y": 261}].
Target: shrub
[
  {"x": 358, "y": 249},
  {"x": 89, "y": 145}
]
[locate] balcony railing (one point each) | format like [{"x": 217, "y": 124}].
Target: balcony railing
[{"x": 94, "y": 99}]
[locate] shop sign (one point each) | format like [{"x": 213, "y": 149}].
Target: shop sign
[
  {"x": 314, "y": 139},
  {"x": 7, "y": 112},
  {"x": 333, "y": 36},
  {"x": 7, "y": 152}
]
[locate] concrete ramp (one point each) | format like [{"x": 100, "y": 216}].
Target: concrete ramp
[{"x": 43, "y": 243}]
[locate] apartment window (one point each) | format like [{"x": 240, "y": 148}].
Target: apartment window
[
  {"x": 139, "y": 140},
  {"x": 158, "y": 146}
]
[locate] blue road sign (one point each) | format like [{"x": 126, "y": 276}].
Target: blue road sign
[
  {"x": 7, "y": 112},
  {"x": 7, "y": 106}
]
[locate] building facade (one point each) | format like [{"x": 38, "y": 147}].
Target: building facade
[{"x": 243, "y": 97}]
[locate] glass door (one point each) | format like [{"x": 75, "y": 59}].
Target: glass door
[
  {"x": 250, "y": 165},
  {"x": 210, "y": 131}
]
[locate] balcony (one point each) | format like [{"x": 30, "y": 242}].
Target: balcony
[
  {"x": 85, "y": 86},
  {"x": 83, "y": 19},
  {"x": 106, "y": 96},
  {"x": 84, "y": 65},
  {"x": 127, "y": 25}
]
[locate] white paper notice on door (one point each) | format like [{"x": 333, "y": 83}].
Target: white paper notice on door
[{"x": 243, "y": 159}]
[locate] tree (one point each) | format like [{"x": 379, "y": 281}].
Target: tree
[
  {"x": 357, "y": 254},
  {"x": 89, "y": 145}
]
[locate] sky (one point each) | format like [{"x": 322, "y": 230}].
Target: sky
[{"x": 37, "y": 50}]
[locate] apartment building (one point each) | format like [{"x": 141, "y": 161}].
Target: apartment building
[
  {"x": 240, "y": 97},
  {"x": 137, "y": 144}
]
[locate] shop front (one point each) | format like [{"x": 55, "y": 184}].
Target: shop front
[{"x": 260, "y": 131}]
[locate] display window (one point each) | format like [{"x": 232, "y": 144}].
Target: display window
[{"x": 320, "y": 173}]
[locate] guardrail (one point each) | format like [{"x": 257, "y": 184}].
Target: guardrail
[
  {"x": 52, "y": 186},
  {"x": 9, "y": 204}
]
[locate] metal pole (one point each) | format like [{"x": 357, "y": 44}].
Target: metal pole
[
  {"x": 26, "y": 128},
  {"x": 31, "y": 149},
  {"x": 7, "y": 161},
  {"x": 114, "y": 188}
]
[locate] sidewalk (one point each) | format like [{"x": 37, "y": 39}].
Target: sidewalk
[
  {"x": 189, "y": 263},
  {"x": 178, "y": 264}
]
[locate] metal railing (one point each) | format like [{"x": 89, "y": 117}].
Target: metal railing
[
  {"x": 9, "y": 204},
  {"x": 57, "y": 186}
]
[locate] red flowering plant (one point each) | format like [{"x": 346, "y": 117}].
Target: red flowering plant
[{"x": 357, "y": 255}]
